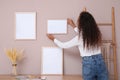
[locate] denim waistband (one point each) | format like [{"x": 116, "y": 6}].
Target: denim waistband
[{"x": 92, "y": 57}]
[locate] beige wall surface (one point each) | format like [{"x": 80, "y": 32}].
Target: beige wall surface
[{"x": 51, "y": 9}]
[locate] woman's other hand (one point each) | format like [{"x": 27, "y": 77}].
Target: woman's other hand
[
  {"x": 71, "y": 23},
  {"x": 50, "y": 36}
]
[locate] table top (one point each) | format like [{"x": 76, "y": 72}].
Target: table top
[{"x": 39, "y": 77}]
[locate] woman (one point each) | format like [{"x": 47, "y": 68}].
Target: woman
[{"x": 89, "y": 43}]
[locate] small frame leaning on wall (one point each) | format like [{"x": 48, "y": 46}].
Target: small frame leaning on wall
[
  {"x": 25, "y": 25},
  {"x": 52, "y": 61}
]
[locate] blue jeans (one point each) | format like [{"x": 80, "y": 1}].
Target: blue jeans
[{"x": 94, "y": 68}]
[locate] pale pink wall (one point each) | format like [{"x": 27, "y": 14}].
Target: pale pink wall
[{"x": 50, "y": 9}]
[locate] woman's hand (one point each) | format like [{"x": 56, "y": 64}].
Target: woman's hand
[
  {"x": 71, "y": 23},
  {"x": 51, "y": 37}
]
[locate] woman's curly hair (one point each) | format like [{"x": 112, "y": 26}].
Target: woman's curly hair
[{"x": 90, "y": 31}]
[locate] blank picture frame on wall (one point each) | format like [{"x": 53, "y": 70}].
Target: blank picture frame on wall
[
  {"x": 25, "y": 25},
  {"x": 52, "y": 61},
  {"x": 57, "y": 26}
]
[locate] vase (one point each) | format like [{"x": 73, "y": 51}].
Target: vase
[{"x": 14, "y": 69}]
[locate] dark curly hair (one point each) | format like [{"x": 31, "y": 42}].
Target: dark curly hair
[{"x": 90, "y": 31}]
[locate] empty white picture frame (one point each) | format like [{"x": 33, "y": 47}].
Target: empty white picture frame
[
  {"x": 25, "y": 25},
  {"x": 57, "y": 27},
  {"x": 52, "y": 61}
]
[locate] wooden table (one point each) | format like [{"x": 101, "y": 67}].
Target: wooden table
[{"x": 65, "y": 77}]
